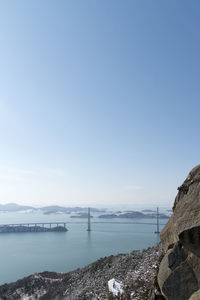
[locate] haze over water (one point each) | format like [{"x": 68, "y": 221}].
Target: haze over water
[{"x": 22, "y": 254}]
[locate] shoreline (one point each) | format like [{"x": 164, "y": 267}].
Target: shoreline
[{"x": 136, "y": 270}]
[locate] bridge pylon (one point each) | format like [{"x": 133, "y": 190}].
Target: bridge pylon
[
  {"x": 89, "y": 222},
  {"x": 158, "y": 221}
]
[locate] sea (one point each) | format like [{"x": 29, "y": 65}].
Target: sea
[{"x": 22, "y": 254}]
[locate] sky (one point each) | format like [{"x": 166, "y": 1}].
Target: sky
[{"x": 99, "y": 101}]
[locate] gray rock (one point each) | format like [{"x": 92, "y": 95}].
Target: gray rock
[
  {"x": 184, "y": 224},
  {"x": 179, "y": 271},
  {"x": 195, "y": 296}
]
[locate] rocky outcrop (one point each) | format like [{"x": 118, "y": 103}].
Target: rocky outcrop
[
  {"x": 195, "y": 296},
  {"x": 179, "y": 272}
]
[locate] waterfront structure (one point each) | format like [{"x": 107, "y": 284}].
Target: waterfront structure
[
  {"x": 158, "y": 225},
  {"x": 34, "y": 227}
]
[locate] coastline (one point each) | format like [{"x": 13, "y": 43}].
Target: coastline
[{"x": 136, "y": 271}]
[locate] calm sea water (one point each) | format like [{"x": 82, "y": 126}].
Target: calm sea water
[{"x": 22, "y": 254}]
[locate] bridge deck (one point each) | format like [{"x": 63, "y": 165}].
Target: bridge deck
[
  {"x": 33, "y": 223},
  {"x": 34, "y": 227}
]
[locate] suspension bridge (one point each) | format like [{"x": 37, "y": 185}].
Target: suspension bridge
[
  {"x": 61, "y": 226},
  {"x": 157, "y": 224}
]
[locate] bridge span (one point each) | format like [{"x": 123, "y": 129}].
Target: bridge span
[{"x": 34, "y": 227}]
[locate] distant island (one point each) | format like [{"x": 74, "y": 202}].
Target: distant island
[
  {"x": 134, "y": 214},
  {"x": 82, "y": 212},
  {"x": 15, "y": 207},
  {"x": 81, "y": 215},
  {"x": 52, "y": 209}
]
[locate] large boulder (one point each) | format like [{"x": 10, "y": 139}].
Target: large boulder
[
  {"x": 185, "y": 222},
  {"x": 195, "y": 296},
  {"x": 179, "y": 271}
]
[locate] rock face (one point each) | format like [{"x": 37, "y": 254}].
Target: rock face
[{"x": 179, "y": 271}]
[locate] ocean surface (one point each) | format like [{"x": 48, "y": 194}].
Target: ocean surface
[{"x": 22, "y": 254}]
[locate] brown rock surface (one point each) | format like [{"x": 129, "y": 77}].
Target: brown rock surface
[
  {"x": 195, "y": 296},
  {"x": 186, "y": 213},
  {"x": 179, "y": 271}
]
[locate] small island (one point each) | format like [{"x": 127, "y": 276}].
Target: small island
[
  {"x": 81, "y": 215},
  {"x": 134, "y": 215}
]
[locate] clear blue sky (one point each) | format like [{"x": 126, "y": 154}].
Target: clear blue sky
[{"x": 99, "y": 101}]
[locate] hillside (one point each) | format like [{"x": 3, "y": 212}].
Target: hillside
[{"x": 135, "y": 272}]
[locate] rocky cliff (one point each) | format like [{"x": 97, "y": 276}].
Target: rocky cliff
[{"x": 179, "y": 272}]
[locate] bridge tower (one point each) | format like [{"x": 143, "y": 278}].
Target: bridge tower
[
  {"x": 89, "y": 223},
  {"x": 158, "y": 219}
]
